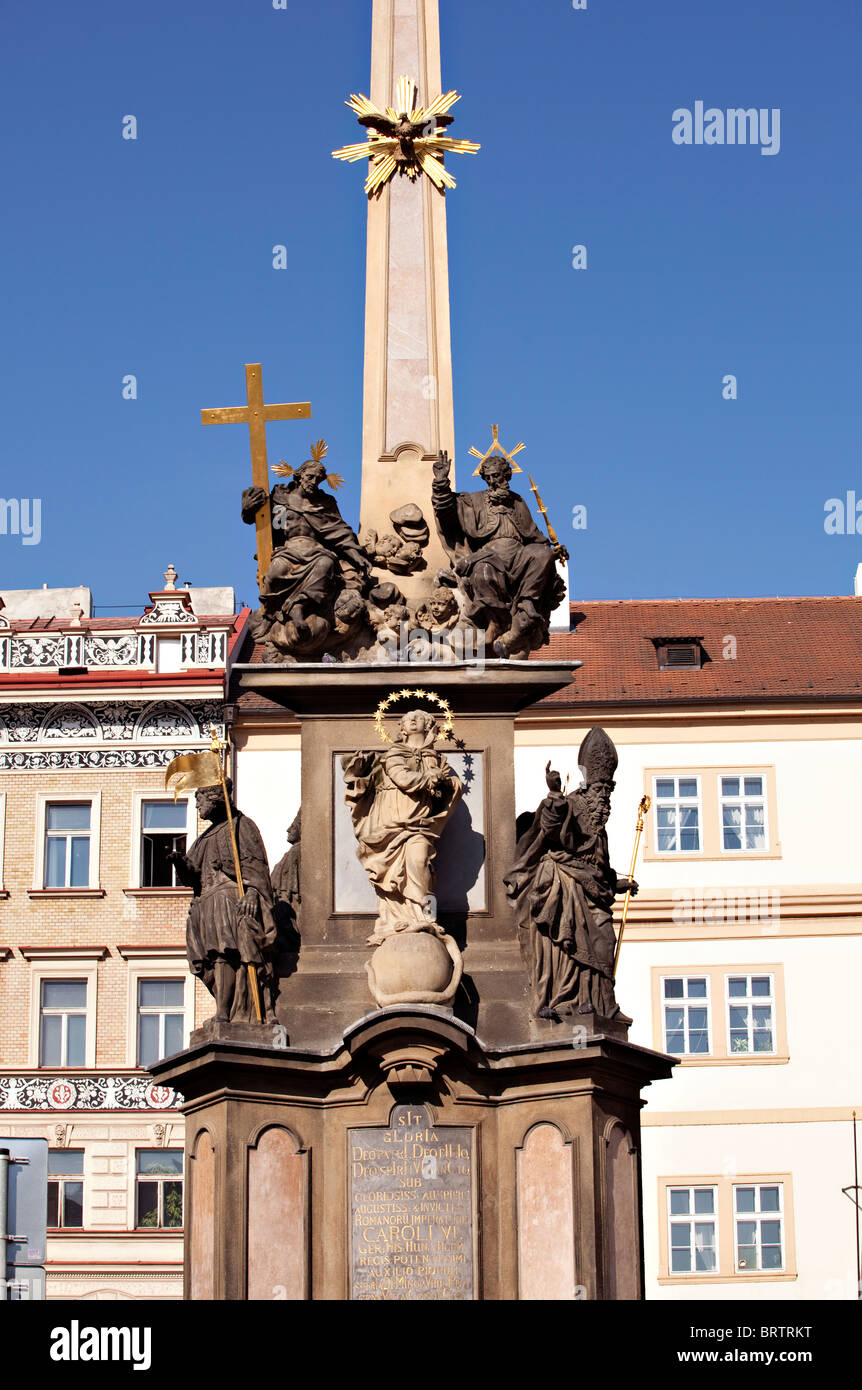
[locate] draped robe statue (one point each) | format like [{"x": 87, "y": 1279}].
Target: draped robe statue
[
  {"x": 563, "y": 887},
  {"x": 225, "y": 936},
  {"x": 504, "y": 565},
  {"x": 286, "y": 874},
  {"x": 311, "y": 597},
  {"x": 400, "y": 802}
]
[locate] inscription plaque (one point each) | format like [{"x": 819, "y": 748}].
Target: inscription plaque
[{"x": 411, "y": 1209}]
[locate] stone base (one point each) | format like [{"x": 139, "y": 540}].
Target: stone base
[
  {"x": 260, "y": 1034},
  {"x": 413, "y": 1162},
  {"x": 577, "y": 1028}
]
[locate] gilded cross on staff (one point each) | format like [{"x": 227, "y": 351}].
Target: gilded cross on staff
[{"x": 257, "y": 416}]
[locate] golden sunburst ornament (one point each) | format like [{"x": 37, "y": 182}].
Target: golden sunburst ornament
[
  {"x": 318, "y": 454},
  {"x": 417, "y": 694},
  {"x": 405, "y": 138}
]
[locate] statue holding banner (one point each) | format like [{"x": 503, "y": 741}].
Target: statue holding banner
[
  {"x": 228, "y": 937},
  {"x": 231, "y": 926}
]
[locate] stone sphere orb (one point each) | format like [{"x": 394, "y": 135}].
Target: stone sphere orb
[{"x": 412, "y": 962}]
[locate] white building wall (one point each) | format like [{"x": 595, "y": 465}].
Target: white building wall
[
  {"x": 820, "y": 1160},
  {"x": 817, "y": 788},
  {"x": 783, "y": 1117},
  {"x": 824, "y": 1033},
  {"x": 268, "y": 788}
]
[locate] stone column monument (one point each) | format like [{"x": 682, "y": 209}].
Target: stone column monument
[
  {"x": 443, "y": 1103},
  {"x": 408, "y": 415}
]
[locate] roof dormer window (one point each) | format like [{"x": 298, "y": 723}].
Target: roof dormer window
[{"x": 679, "y": 653}]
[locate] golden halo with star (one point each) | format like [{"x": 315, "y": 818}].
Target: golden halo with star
[{"x": 415, "y": 693}]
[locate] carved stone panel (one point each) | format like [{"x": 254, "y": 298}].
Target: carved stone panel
[
  {"x": 546, "y": 1216},
  {"x": 412, "y": 1210},
  {"x": 277, "y": 1234},
  {"x": 202, "y": 1233},
  {"x": 622, "y": 1219}
]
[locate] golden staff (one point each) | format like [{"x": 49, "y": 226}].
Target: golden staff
[
  {"x": 555, "y": 540},
  {"x": 216, "y": 747},
  {"x": 642, "y": 810}
]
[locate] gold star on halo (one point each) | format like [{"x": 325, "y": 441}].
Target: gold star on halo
[
  {"x": 415, "y": 693},
  {"x": 410, "y": 139}
]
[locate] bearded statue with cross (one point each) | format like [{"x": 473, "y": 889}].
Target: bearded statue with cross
[{"x": 311, "y": 597}]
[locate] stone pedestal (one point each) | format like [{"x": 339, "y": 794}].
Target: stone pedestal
[
  {"x": 335, "y": 707},
  {"x": 413, "y": 1161},
  {"x": 412, "y": 1151}
]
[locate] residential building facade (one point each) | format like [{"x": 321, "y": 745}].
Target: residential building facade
[
  {"x": 93, "y": 977},
  {"x": 742, "y": 721}
]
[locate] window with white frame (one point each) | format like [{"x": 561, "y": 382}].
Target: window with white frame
[
  {"x": 678, "y": 814},
  {"x": 161, "y": 1018},
  {"x": 159, "y": 1188},
  {"x": 67, "y": 844},
  {"x": 692, "y": 1217},
  {"x": 62, "y": 1023},
  {"x": 759, "y": 1223},
  {"x": 751, "y": 1013},
  {"x": 742, "y": 801},
  {"x": 685, "y": 1006},
  {"x": 163, "y": 829},
  {"x": 65, "y": 1188}
]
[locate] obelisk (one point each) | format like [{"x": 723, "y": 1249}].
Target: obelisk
[{"x": 408, "y": 412}]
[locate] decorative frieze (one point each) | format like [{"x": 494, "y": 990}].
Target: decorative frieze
[
  {"x": 169, "y": 612},
  {"x": 70, "y": 759},
  {"x": 106, "y": 721},
  {"x": 120, "y": 651},
  {"x": 70, "y": 1093}
]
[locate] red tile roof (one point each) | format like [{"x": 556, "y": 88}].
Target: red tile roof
[{"x": 785, "y": 648}]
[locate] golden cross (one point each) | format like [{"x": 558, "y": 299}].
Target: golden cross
[
  {"x": 257, "y": 415},
  {"x": 497, "y": 448}
]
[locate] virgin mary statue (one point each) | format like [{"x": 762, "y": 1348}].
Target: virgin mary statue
[{"x": 400, "y": 802}]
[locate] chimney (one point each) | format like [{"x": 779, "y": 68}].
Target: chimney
[{"x": 857, "y": 582}]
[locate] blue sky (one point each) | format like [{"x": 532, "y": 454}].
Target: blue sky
[{"x": 154, "y": 257}]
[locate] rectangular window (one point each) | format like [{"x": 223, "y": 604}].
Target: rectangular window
[
  {"x": 691, "y": 1214},
  {"x": 160, "y": 1019},
  {"x": 67, "y": 844},
  {"x": 759, "y": 1227},
  {"x": 743, "y": 813},
  {"x": 751, "y": 1013},
  {"x": 163, "y": 828},
  {"x": 65, "y": 1188},
  {"x": 62, "y": 1023},
  {"x": 686, "y": 1015},
  {"x": 678, "y": 816},
  {"x": 159, "y": 1189}
]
